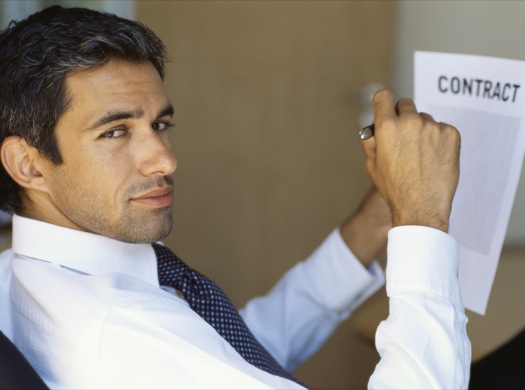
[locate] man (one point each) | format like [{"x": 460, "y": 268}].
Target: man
[{"x": 92, "y": 303}]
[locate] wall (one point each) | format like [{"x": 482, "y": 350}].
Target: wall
[
  {"x": 266, "y": 96},
  {"x": 492, "y": 28}
]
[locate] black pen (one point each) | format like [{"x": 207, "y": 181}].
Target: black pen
[{"x": 367, "y": 132}]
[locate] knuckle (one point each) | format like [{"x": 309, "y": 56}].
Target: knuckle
[
  {"x": 451, "y": 132},
  {"x": 405, "y": 101},
  {"x": 413, "y": 120},
  {"x": 427, "y": 117},
  {"x": 386, "y": 123}
]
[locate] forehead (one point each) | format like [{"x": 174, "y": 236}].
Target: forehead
[{"x": 116, "y": 85}]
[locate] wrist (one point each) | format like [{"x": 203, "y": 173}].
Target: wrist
[
  {"x": 434, "y": 221},
  {"x": 365, "y": 236}
]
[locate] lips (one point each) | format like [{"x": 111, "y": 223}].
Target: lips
[{"x": 161, "y": 197}]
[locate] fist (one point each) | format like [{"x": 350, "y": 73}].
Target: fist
[{"x": 413, "y": 162}]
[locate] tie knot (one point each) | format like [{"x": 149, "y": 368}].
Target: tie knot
[
  {"x": 169, "y": 266},
  {"x": 173, "y": 272}
]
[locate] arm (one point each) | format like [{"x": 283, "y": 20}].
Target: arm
[
  {"x": 414, "y": 163},
  {"x": 423, "y": 343},
  {"x": 296, "y": 317},
  {"x": 300, "y": 313},
  {"x": 365, "y": 231}
]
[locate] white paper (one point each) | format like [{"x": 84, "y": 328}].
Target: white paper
[{"x": 484, "y": 98}]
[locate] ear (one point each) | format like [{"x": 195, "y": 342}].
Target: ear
[{"x": 22, "y": 162}]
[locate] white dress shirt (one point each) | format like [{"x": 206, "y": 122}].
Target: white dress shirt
[{"x": 87, "y": 312}]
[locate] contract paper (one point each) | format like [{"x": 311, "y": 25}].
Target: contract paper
[{"x": 484, "y": 98}]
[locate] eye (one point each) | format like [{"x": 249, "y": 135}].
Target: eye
[
  {"x": 161, "y": 126},
  {"x": 116, "y": 133}
]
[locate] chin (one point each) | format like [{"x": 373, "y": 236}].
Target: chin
[{"x": 140, "y": 233}]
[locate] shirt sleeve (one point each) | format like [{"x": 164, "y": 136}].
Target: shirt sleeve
[
  {"x": 423, "y": 343},
  {"x": 307, "y": 304}
]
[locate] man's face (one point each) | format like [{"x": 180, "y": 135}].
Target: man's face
[{"x": 114, "y": 179}]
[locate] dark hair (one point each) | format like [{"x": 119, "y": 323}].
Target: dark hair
[{"x": 37, "y": 54}]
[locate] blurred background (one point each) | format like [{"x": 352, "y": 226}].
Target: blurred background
[{"x": 269, "y": 96}]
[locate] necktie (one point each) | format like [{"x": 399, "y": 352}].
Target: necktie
[{"x": 211, "y": 303}]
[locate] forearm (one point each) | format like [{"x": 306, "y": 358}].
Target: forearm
[
  {"x": 365, "y": 231},
  {"x": 423, "y": 344},
  {"x": 302, "y": 310}
]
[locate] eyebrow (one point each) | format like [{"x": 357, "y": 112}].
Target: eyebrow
[
  {"x": 112, "y": 116},
  {"x": 166, "y": 111}
]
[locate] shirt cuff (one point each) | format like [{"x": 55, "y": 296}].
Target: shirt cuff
[
  {"x": 422, "y": 259},
  {"x": 338, "y": 278}
]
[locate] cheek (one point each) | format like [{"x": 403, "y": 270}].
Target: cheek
[
  {"x": 98, "y": 172},
  {"x": 109, "y": 179}
]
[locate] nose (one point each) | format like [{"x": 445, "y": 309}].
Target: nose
[{"x": 154, "y": 155}]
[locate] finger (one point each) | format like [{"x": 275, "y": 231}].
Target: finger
[
  {"x": 369, "y": 147},
  {"x": 383, "y": 105},
  {"x": 427, "y": 117},
  {"x": 405, "y": 106}
]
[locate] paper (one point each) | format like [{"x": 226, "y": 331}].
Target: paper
[{"x": 484, "y": 98}]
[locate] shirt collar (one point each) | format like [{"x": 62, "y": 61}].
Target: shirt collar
[{"x": 88, "y": 253}]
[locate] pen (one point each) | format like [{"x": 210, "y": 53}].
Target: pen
[{"x": 367, "y": 132}]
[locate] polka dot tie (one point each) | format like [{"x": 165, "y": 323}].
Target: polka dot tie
[{"x": 211, "y": 303}]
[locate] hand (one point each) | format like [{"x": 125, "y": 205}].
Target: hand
[
  {"x": 413, "y": 161},
  {"x": 366, "y": 231}
]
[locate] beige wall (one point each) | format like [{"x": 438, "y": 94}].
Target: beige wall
[{"x": 266, "y": 100}]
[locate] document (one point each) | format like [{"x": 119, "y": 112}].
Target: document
[{"x": 484, "y": 98}]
